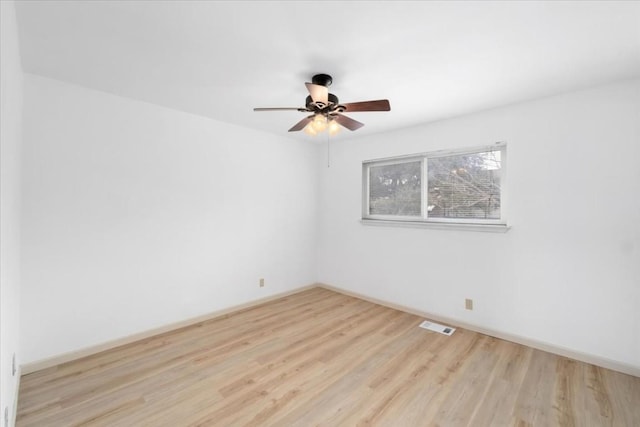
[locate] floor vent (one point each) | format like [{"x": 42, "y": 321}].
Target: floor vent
[{"x": 436, "y": 327}]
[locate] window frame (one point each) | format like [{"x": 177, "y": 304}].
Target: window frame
[{"x": 499, "y": 224}]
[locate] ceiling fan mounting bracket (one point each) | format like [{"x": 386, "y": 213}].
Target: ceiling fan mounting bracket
[{"x": 322, "y": 80}]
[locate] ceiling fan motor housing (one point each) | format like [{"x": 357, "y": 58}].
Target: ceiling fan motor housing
[{"x": 333, "y": 100}]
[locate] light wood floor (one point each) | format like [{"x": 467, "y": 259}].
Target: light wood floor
[{"x": 323, "y": 358}]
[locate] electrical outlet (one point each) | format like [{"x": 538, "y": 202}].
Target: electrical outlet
[
  {"x": 468, "y": 304},
  {"x": 13, "y": 365},
  {"x": 262, "y": 283}
]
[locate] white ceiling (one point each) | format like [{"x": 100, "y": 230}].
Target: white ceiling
[{"x": 432, "y": 60}]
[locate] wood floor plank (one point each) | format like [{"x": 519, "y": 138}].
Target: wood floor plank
[
  {"x": 495, "y": 406},
  {"x": 322, "y": 358}
]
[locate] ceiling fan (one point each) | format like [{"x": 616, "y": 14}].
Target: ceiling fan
[{"x": 327, "y": 110}]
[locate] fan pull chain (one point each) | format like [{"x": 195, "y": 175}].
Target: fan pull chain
[{"x": 328, "y": 150}]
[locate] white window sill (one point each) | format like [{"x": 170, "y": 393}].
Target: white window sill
[{"x": 490, "y": 228}]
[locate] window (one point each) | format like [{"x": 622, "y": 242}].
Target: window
[{"x": 442, "y": 187}]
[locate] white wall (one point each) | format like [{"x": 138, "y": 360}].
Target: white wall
[
  {"x": 137, "y": 216},
  {"x": 566, "y": 274},
  {"x": 10, "y": 143}
]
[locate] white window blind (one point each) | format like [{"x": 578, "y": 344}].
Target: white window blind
[{"x": 462, "y": 186}]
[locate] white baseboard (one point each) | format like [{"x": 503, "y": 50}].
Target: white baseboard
[
  {"x": 38, "y": 365},
  {"x": 550, "y": 348},
  {"x": 561, "y": 351}
]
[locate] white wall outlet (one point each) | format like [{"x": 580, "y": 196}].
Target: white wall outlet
[
  {"x": 262, "y": 283},
  {"x": 468, "y": 304}
]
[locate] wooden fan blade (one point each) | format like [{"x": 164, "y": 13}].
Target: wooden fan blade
[
  {"x": 280, "y": 109},
  {"x": 379, "y": 105},
  {"x": 301, "y": 124},
  {"x": 318, "y": 93},
  {"x": 347, "y": 122}
]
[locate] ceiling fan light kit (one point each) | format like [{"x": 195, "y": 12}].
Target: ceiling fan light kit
[
  {"x": 326, "y": 109},
  {"x": 320, "y": 123}
]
